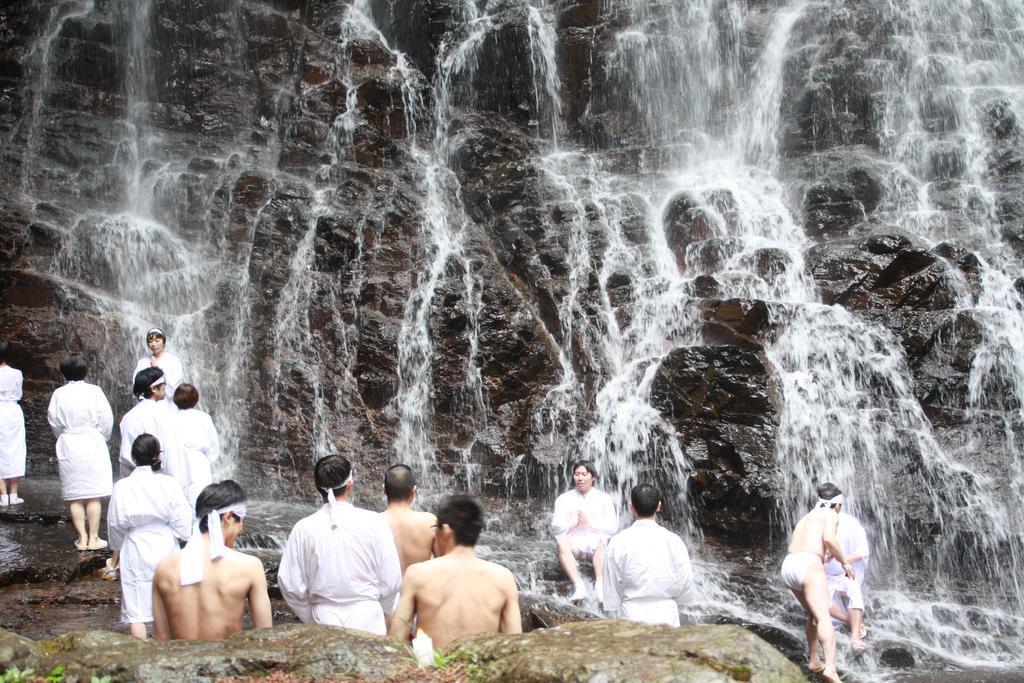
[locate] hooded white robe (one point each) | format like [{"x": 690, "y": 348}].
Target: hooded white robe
[
  {"x": 80, "y": 417},
  {"x": 147, "y": 512},
  {"x": 647, "y": 574},
  {"x": 598, "y": 507},
  {"x": 12, "y": 424},
  {"x": 200, "y": 447},
  {"x": 348, "y": 576}
]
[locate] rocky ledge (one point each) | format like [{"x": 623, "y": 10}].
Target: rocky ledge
[{"x": 581, "y": 651}]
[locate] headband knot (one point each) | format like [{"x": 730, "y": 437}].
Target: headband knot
[
  {"x": 192, "y": 560},
  {"x": 827, "y": 503},
  {"x": 332, "y": 500}
]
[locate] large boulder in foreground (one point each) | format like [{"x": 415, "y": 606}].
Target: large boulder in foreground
[{"x": 626, "y": 651}]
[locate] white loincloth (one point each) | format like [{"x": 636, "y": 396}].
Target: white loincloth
[{"x": 794, "y": 569}]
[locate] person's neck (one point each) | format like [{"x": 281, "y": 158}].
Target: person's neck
[
  {"x": 157, "y": 354},
  {"x": 400, "y": 505},
  {"x": 462, "y": 551},
  {"x": 652, "y": 518}
]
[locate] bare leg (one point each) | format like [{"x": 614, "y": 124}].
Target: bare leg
[
  {"x": 12, "y": 486},
  {"x": 137, "y": 630},
  {"x": 856, "y": 621},
  {"x": 3, "y": 488},
  {"x": 567, "y": 557},
  {"x": 78, "y": 520},
  {"x": 598, "y": 561},
  {"x": 93, "y": 509},
  {"x": 814, "y": 664},
  {"x": 838, "y": 613},
  {"x": 815, "y": 601}
]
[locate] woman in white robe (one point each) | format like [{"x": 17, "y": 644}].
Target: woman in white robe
[
  {"x": 161, "y": 358},
  {"x": 151, "y": 415},
  {"x": 198, "y": 440},
  {"x": 147, "y": 513},
  {"x": 81, "y": 419},
  {"x": 12, "y": 430}
]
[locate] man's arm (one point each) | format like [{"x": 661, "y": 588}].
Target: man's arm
[
  {"x": 291, "y": 579},
  {"x": 612, "y": 600},
  {"x": 401, "y": 619},
  {"x": 259, "y": 601},
  {"x": 161, "y": 629},
  {"x": 685, "y": 589},
  {"x": 511, "y": 620},
  {"x": 828, "y": 537},
  {"x": 562, "y": 519},
  {"x": 608, "y": 520},
  {"x": 390, "y": 571}
]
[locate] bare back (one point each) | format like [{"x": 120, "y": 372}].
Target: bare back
[
  {"x": 457, "y": 595},
  {"x": 213, "y": 608},
  {"x": 811, "y": 532},
  {"x": 414, "y": 533}
]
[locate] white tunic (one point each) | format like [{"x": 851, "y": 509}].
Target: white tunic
[
  {"x": 156, "y": 418},
  {"x": 173, "y": 371},
  {"x": 598, "y": 507},
  {"x": 200, "y": 447},
  {"x": 146, "y": 513},
  {"x": 853, "y": 540},
  {"x": 348, "y": 576},
  {"x": 647, "y": 574},
  {"x": 80, "y": 417},
  {"x": 12, "y": 424}
]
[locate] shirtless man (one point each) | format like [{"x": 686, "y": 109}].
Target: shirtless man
[
  {"x": 457, "y": 593},
  {"x": 803, "y": 571},
  {"x": 199, "y": 593},
  {"x": 413, "y": 530}
]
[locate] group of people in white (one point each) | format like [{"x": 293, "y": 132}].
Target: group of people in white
[{"x": 391, "y": 572}]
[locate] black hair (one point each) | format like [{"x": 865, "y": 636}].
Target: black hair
[
  {"x": 587, "y": 464},
  {"x": 142, "y": 388},
  {"x": 329, "y": 472},
  {"x": 464, "y": 516},
  {"x": 5, "y": 350},
  {"x": 216, "y": 496},
  {"x": 145, "y": 450},
  {"x": 73, "y": 367},
  {"x": 645, "y": 499},
  {"x": 828, "y": 491},
  {"x": 399, "y": 481}
]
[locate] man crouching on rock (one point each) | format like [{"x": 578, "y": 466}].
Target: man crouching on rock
[
  {"x": 457, "y": 593},
  {"x": 199, "y": 593}
]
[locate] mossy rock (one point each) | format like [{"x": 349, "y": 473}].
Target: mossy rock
[
  {"x": 599, "y": 651},
  {"x": 17, "y": 651}
]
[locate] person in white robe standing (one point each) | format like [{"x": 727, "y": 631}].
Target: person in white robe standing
[
  {"x": 846, "y": 595},
  {"x": 198, "y": 440},
  {"x": 80, "y": 417},
  {"x": 583, "y": 521},
  {"x": 340, "y": 566},
  {"x": 647, "y": 571},
  {"x": 147, "y": 513},
  {"x": 161, "y": 358},
  {"x": 151, "y": 415},
  {"x": 12, "y": 430}
]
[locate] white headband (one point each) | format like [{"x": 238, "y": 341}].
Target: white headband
[
  {"x": 332, "y": 500},
  {"x": 823, "y": 503},
  {"x": 162, "y": 380},
  {"x": 155, "y": 330},
  {"x": 192, "y": 561}
]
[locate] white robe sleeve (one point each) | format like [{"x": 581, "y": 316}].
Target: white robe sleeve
[
  {"x": 684, "y": 590},
  {"x": 174, "y": 372},
  {"x": 212, "y": 442},
  {"x": 180, "y": 513},
  {"x": 126, "y": 447},
  {"x": 51, "y": 417},
  {"x": 115, "y": 533},
  {"x": 612, "y": 595},
  {"x": 607, "y": 522},
  {"x": 291, "y": 576},
  {"x": 105, "y": 414},
  {"x": 390, "y": 571},
  {"x": 562, "y": 518}
]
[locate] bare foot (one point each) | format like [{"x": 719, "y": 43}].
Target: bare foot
[
  {"x": 858, "y": 644},
  {"x": 816, "y": 666},
  {"x": 830, "y": 674}
]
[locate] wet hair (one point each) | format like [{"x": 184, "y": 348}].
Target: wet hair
[
  {"x": 74, "y": 368},
  {"x": 5, "y": 350},
  {"x": 144, "y": 380},
  {"x": 186, "y": 396},
  {"x": 145, "y": 450},
  {"x": 329, "y": 473},
  {"x": 215, "y": 497},
  {"x": 399, "y": 481},
  {"x": 464, "y": 516},
  {"x": 828, "y": 491},
  {"x": 645, "y": 499},
  {"x": 586, "y": 464}
]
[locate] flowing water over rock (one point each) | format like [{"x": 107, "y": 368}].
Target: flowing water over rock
[{"x": 738, "y": 248}]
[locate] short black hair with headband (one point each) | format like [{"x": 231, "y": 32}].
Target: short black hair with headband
[
  {"x": 217, "y": 497},
  {"x": 330, "y": 472},
  {"x": 143, "y": 386}
]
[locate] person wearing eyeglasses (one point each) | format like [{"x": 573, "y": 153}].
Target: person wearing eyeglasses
[
  {"x": 200, "y": 592},
  {"x": 340, "y": 566},
  {"x": 457, "y": 593},
  {"x": 161, "y": 358},
  {"x": 147, "y": 514}
]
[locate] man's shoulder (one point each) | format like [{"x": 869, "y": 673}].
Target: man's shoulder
[{"x": 168, "y": 567}]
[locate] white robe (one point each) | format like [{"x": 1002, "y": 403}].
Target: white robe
[
  {"x": 647, "y": 574},
  {"x": 348, "y": 576},
  {"x": 853, "y": 540},
  {"x": 598, "y": 507},
  {"x": 156, "y": 418},
  {"x": 12, "y": 424},
  {"x": 80, "y": 417},
  {"x": 174, "y": 372},
  {"x": 146, "y": 513},
  {"x": 200, "y": 447}
]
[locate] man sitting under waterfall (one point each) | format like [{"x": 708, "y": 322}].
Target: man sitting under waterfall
[
  {"x": 199, "y": 593},
  {"x": 413, "y": 530},
  {"x": 647, "y": 572},
  {"x": 457, "y": 594},
  {"x": 583, "y": 521},
  {"x": 340, "y": 565},
  {"x": 846, "y": 594},
  {"x": 803, "y": 571}
]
